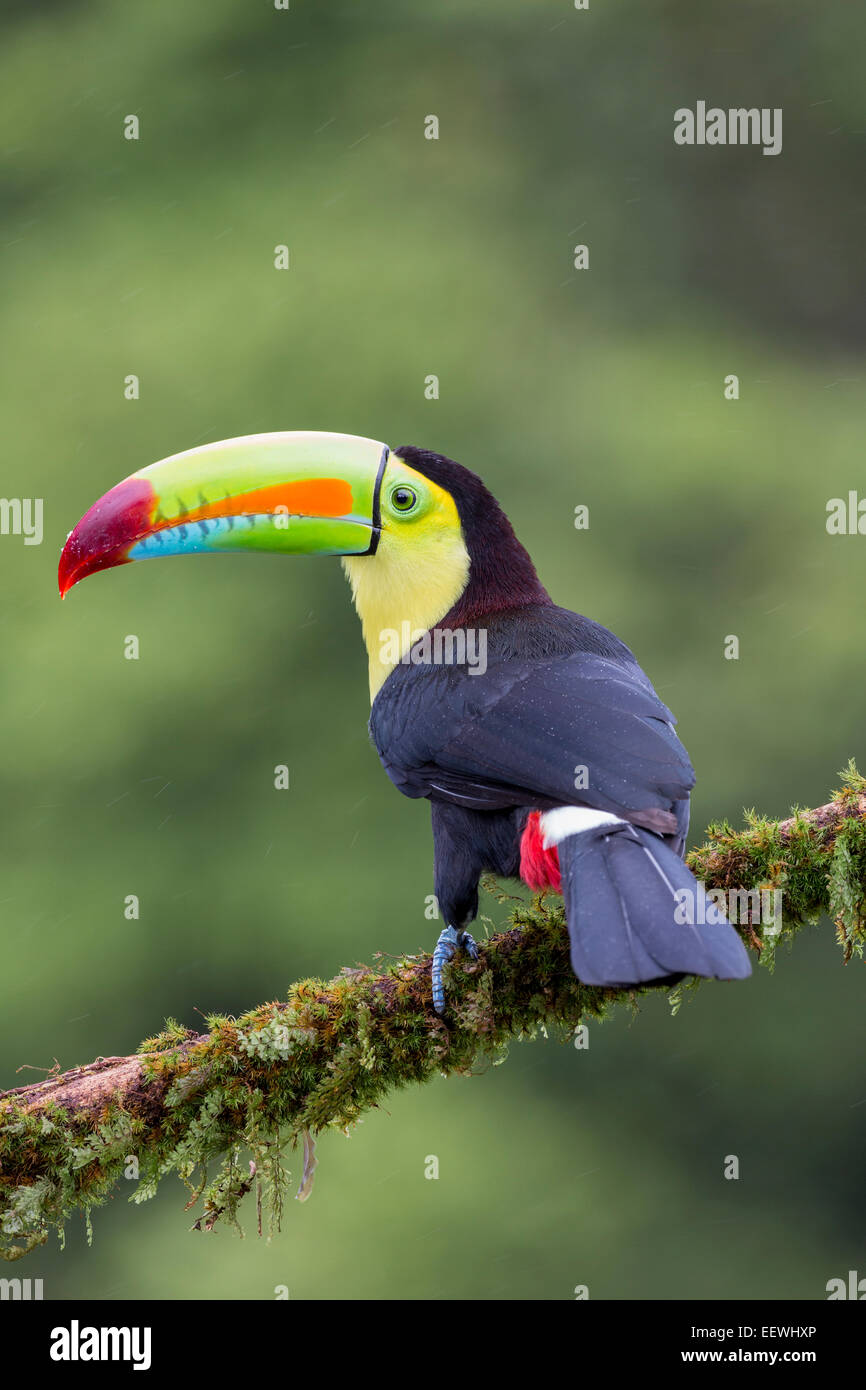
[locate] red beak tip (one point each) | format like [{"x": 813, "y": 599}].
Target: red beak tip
[
  {"x": 65, "y": 576},
  {"x": 105, "y": 533}
]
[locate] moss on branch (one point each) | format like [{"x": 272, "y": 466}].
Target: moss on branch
[{"x": 237, "y": 1098}]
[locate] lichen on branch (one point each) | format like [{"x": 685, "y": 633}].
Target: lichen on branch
[{"x": 239, "y": 1097}]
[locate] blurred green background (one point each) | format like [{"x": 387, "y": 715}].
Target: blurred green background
[{"x": 603, "y": 387}]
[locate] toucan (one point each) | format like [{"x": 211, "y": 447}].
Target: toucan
[{"x": 541, "y": 745}]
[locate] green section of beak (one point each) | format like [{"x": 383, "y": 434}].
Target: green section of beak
[{"x": 295, "y": 493}]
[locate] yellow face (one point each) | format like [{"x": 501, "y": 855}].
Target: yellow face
[{"x": 420, "y": 568}]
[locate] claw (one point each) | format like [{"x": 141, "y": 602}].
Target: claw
[
  {"x": 450, "y": 942},
  {"x": 469, "y": 945}
]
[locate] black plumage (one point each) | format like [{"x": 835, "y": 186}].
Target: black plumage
[{"x": 559, "y": 693}]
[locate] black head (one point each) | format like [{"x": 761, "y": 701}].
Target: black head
[{"x": 501, "y": 574}]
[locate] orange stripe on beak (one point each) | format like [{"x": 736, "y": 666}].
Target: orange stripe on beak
[{"x": 304, "y": 497}]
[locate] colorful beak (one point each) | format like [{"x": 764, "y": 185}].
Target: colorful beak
[{"x": 299, "y": 493}]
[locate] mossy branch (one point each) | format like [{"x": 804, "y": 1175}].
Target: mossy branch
[{"x": 287, "y": 1070}]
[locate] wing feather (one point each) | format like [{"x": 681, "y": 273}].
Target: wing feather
[{"x": 521, "y": 732}]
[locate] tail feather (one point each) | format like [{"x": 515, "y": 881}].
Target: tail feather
[{"x": 625, "y": 904}]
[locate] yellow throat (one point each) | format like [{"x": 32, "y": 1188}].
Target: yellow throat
[{"x": 420, "y": 569}]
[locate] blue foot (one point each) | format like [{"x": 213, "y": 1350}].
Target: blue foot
[{"x": 450, "y": 942}]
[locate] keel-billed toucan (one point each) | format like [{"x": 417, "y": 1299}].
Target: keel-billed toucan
[{"x": 552, "y": 760}]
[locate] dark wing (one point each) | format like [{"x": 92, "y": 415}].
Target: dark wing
[{"x": 520, "y": 733}]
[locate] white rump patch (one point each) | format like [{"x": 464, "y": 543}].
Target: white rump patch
[{"x": 558, "y": 824}]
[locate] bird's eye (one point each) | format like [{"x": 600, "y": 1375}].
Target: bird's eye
[{"x": 403, "y": 499}]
